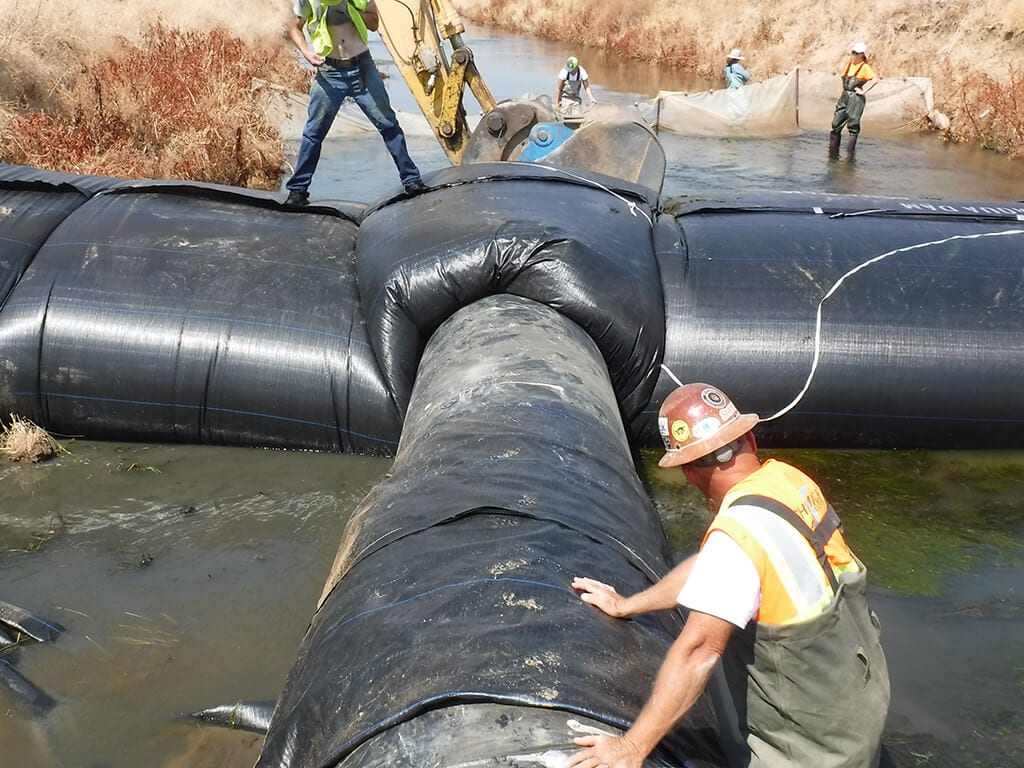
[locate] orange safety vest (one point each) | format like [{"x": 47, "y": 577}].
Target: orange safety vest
[{"x": 776, "y": 523}]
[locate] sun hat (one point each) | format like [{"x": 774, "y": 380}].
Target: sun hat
[
  {"x": 735, "y": 54},
  {"x": 859, "y": 48}
]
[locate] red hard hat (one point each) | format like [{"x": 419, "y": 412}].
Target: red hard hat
[{"x": 697, "y": 419}]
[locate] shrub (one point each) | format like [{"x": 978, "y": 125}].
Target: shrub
[
  {"x": 181, "y": 107},
  {"x": 987, "y": 111}
]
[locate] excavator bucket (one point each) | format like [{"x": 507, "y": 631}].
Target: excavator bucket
[{"x": 613, "y": 141}]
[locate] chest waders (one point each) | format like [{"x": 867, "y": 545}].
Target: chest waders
[
  {"x": 813, "y": 693},
  {"x": 849, "y": 109},
  {"x": 571, "y": 88}
]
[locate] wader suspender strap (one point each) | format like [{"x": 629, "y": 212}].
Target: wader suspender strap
[{"x": 816, "y": 537}]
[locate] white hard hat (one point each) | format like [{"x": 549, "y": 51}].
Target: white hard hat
[
  {"x": 859, "y": 48},
  {"x": 735, "y": 54}
]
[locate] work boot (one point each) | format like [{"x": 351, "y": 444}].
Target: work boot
[
  {"x": 415, "y": 186},
  {"x": 833, "y": 145},
  {"x": 297, "y": 197},
  {"x": 851, "y": 145}
]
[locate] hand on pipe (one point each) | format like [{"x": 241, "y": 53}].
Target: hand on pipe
[{"x": 600, "y": 595}]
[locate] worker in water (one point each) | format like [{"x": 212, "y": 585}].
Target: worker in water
[
  {"x": 775, "y": 594},
  {"x": 735, "y": 75},
  {"x": 858, "y": 79},
  {"x": 571, "y": 79},
  {"x": 337, "y": 47}
]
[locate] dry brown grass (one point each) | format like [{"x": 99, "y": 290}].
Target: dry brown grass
[
  {"x": 142, "y": 89},
  {"x": 987, "y": 111},
  {"x": 965, "y": 46},
  {"x": 22, "y": 440},
  {"x": 138, "y": 96}
]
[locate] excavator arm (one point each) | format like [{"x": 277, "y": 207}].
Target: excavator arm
[
  {"x": 415, "y": 33},
  {"x": 424, "y": 38}
]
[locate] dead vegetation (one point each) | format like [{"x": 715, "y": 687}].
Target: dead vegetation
[
  {"x": 967, "y": 47},
  {"x": 157, "y": 101},
  {"x": 24, "y": 441},
  {"x": 987, "y": 111},
  {"x": 142, "y": 91}
]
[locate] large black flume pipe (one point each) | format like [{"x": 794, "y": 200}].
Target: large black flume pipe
[
  {"x": 192, "y": 313},
  {"x": 184, "y": 313},
  {"x": 921, "y": 309},
  {"x": 448, "y": 631}
]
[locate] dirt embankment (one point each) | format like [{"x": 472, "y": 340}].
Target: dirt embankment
[
  {"x": 926, "y": 38},
  {"x": 970, "y": 48},
  {"x": 142, "y": 89}
]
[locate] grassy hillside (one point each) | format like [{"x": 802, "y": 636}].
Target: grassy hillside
[{"x": 906, "y": 37}]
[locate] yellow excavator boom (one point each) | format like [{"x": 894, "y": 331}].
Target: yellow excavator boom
[{"x": 414, "y": 32}]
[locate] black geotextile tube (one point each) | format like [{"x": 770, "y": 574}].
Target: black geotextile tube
[
  {"x": 922, "y": 347},
  {"x": 29, "y": 212},
  {"x": 452, "y": 581},
  {"x": 194, "y": 313},
  {"x": 580, "y": 244}
]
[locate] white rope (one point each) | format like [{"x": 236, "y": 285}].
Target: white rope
[
  {"x": 858, "y": 268},
  {"x": 671, "y": 375},
  {"x": 633, "y": 207}
]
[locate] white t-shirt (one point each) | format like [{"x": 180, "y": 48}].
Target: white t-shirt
[
  {"x": 571, "y": 85},
  {"x": 564, "y": 73},
  {"x": 723, "y": 583}
]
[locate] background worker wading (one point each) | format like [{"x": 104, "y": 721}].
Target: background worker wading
[
  {"x": 775, "y": 594},
  {"x": 571, "y": 81},
  {"x": 858, "y": 78}
]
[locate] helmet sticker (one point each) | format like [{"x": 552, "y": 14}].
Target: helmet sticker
[
  {"x": 663, "y": 426},
  {"x": 713, "y": 398},
  {"x": 706, "y": 427},
  {"x": 729, "y": 413},
  {"x": 680, "y": 431}
]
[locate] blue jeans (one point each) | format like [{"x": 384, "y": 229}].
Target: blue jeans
[{"x": 332, "y": 85}]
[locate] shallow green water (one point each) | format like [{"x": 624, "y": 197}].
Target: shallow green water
[{"x": 186, "y": 577}]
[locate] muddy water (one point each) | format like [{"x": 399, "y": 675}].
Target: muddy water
[{"x": 186, "y": 576}]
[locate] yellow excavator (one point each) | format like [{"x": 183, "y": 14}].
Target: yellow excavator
[{"x": 425, "y": 40}]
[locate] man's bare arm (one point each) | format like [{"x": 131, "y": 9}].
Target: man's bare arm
[
  {"x": 658, "y": 597},
  {"x": 370, "y": 17},
  {"x": 683, "y": 676},
  {"x": 299, "y": 41}
]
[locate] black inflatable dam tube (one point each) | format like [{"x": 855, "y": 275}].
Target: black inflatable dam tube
[
  {"x": 920, "y": 338},
  {"x": 451, "y": 588},
  {"x": 196, "y": 313},
  {"x": 580, "y": 245},
  {"x": 188, "y": 313}
]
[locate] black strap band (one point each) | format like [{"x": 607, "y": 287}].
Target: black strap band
[{"x": 816, "y": 537}]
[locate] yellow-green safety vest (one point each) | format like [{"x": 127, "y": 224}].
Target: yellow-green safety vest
[{"x": 319, "y": 34}]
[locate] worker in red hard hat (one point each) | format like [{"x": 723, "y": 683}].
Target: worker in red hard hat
[{"x": 775, "y": 595}]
